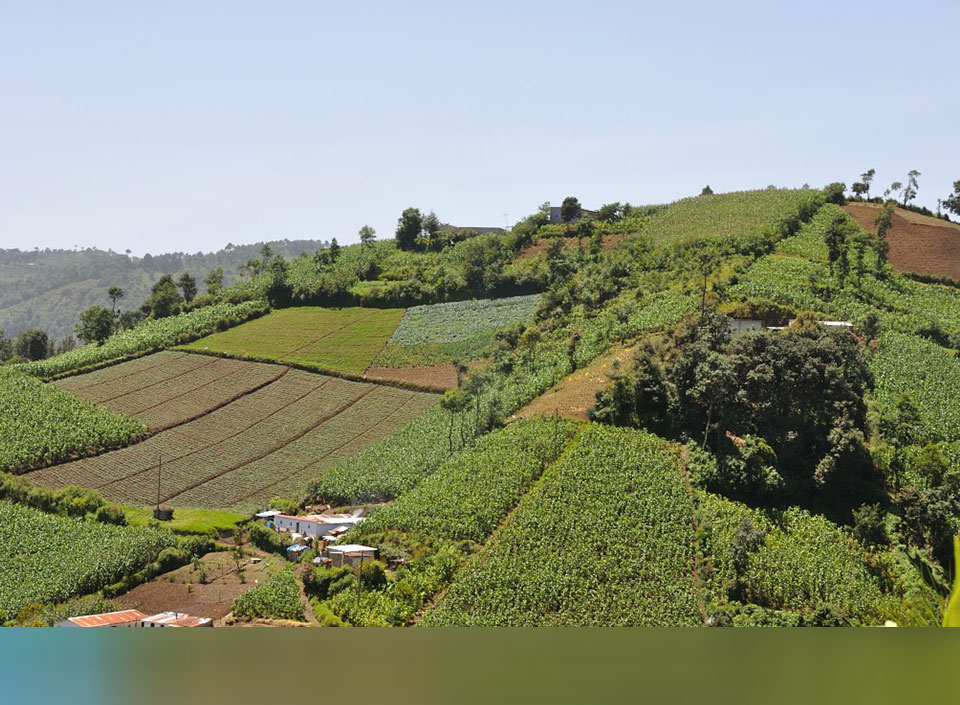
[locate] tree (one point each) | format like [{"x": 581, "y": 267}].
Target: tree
[
  {"x": 833, "y": 193},
  {"x": 367, "y": 235},
  {"x": 115, "y": 293},
  {"x": 409, "y": 227},
  {"x": 6, "y": 347},
  {"x": 214, "y": 280},
  {"x": 164, "y": 298},
  {"x": 570, "y": 210},
  {"x": 278, "y": 288},
  {"x": 610, "y": 212},
  {"x": 883, "y": 222},
  {"x": 910, "y": 191},
  {"x": 895, "y": 187},
  {"x": 430, "y": 224},
  {"x": 95, "y": 325},
  {"x": 860, "y": 189},
  {"x": 66, "y": 344},
  {"x": 129, "y": 319},
  {"x": 334, "y": 251},
  {"x": 707, "y": 191},
  {"x": 952, "y": 202},
  {"x": 867, "y": 178},
  {"x": 33, "y": 344},
  {"x": 188, "y": 285},
  {"x": 453, "y": 401}
]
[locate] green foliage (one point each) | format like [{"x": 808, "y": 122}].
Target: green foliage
[
  {"x": 604, "y": 538},
  {"x": 47, "y": 558},
  {"x": 95, "y": 325},
  {"x": 266, "y": 539},
  {"x": 148, "y": 336},
  {"x": 440, "y": 333},
  {"x": 277, "y": 597},
  {"x": 472, "y": 491},
  {"x": 802, "y": 562},
  {"x": 41, "y": 425}
]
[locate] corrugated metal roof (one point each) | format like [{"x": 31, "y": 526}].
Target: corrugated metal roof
[
  {"x": 108, "y": 619},
  {"x": 177, "y": 619}
]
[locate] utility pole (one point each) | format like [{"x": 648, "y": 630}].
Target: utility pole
[{"x": 159, "y": 471}]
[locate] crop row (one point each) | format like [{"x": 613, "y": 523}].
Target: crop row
[
  {"x": 47, "y": 558},
  {"x": 41, "y": 425},
  {"x": 149, "y": 335},
  {"x": 177, "y": 388},
  {"x": 292, "y": 428},
  {"x": 604, "y": 538},
  {"x": 472, "y": 491}
]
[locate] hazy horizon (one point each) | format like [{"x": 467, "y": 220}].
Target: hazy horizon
[{"x": 176, "y": 127}]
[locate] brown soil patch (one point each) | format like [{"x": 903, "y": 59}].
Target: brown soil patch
[
  {"x": 575, "y": 395},
  {"x": 541, "y": 246},
  {"x": 438, "y": 376},
  {"x": 918, "y": 243},
  {"x": 180, "y": 590}
]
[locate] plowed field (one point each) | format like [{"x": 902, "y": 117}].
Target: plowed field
[
  {"x": 918, "y": 243},
  {"x": 226, "y": 448}
]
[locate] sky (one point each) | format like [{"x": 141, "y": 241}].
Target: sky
[{"x": 182, "y": 126}]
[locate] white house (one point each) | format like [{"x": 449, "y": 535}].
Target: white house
[
  {"x": 350, "y": 554},
  {"x": 315, "y": 525}
]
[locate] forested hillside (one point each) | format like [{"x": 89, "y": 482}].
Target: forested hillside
[{"x": 48, "y": 289}]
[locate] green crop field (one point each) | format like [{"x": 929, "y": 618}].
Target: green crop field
[
  {"x": 470, "y": 493},
  {"x": 803, "y": 562},
  {"x": 328, "y": 339},
  {"x": 41, "y": 425},
  {"x": 441, "y": 333},
  {"x": 47, "y": 558},
  {"x": 149, "y": 335},
  {"x": 277, "y": 597},
  {"x": 604, "y": 538},
  {"x": 743, "y": 214}
]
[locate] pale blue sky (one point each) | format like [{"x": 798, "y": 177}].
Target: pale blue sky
[{"x": 161, "y": 126}]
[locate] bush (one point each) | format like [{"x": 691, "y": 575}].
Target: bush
[
  {"x": 266, "y": 539},
  {"x": 833, "y": 193},
  {"x": 111, "y": 514},
  {"x": 373, "y": 575},
  {"x": 171, "y": 559},
  {"x": 869, "y": 524}
]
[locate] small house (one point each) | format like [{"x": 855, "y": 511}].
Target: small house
[
  {"x": 557, "y": 219},
  {"x": 315, "y": 525},
  {"x": 350, "y": 554}
]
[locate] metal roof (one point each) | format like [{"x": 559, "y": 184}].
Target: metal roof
[
  {"x": 351, "y": 548},
  {"x": 177, "y": 619},
  {"x": 108, "y": 619}
]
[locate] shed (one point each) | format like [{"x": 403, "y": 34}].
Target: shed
[
  {"x": 176, "y": 619},
  {"x": 350, "y": 554},
  {"x": 122, "y": 618}
]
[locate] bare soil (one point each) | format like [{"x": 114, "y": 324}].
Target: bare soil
[
  {"x": 180, "y": 590},
  {"x": 439, "y": 376},
  {"x": 918, "y": 243},
  {"x": 575, "y": 395}
]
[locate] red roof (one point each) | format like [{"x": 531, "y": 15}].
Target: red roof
[{"x": 108, "y": 619}]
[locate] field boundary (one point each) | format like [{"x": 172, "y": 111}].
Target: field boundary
[{"x": 317, "y": 369}]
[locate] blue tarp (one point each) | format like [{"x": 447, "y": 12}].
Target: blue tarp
[{"x": 297, "y": 547}]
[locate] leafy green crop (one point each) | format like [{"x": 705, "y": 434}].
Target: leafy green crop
[
  {"x": 47, "y": 558},
  {"x": 472, "y": 491},
  {"x": 277, "y": 597},
  {"x": 41, "y": 425},
  {"x": 605, "y": 538}
]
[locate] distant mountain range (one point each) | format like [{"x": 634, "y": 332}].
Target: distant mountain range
[{"x": 48, "y": 289}]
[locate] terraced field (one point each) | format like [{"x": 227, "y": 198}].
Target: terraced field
[
  {"x": 170, "y": 388},
  {"x": 330, "y": 339},
  {"x": 237, "y": 434}
]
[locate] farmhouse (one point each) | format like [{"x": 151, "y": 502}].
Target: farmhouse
[{"x": 315, "y": 525}]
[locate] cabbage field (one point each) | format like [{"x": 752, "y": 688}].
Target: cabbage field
[
  {"x": 605, "y": 538},
  {"x": 48, "y": 558},
  {"x": 41, "y": 425}
]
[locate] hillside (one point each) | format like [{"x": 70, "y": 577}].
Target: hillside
[
  {"x": 48, "y": 289},
  {"x": 610, "y": 451},
  {"x": 918, "y": 243}
]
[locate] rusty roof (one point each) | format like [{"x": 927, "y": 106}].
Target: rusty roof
[{"x": 108, "y": 619}]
